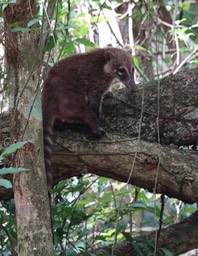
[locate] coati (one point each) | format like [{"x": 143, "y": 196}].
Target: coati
[{"x": 74, "y": 88}]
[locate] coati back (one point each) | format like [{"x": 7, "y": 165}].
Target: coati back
[{"x": 74, "y": 88}]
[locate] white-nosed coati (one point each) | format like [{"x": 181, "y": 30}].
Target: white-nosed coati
[{"x": 74, "y": 88}]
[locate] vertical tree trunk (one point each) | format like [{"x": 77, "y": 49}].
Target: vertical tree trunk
[{"x": 30, "y": 187}]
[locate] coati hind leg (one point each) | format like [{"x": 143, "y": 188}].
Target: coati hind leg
[
  {"x": 80, "y": 111},
  {"x": 89, "y": 118}
]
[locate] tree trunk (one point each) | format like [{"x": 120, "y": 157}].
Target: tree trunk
[{"x": 30, "y": 187}]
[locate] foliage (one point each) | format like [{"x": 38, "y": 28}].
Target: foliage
[
  {"x": 11, "y": 170},
  {"x": 86, "y": 215},
  {"x": 90, "y": 211},
  {"x": 8, "y": 237}
]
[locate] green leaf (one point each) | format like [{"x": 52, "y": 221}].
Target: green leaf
[
  {"x": 64, "y": 27},
  {"x": 106, "y": 198},
  {"x": 85, "y": 232},
  {"x": 13, "y": 148},
  {"x": 78, "y": 217},
  {"x": 11, "y": 170},
  {"x": 4, "y": 3},
  {"x": 121, "y": 227},
  {"x": 5, "y": 183},
  {"x": 139, "y": 206},
  {"x": 186, "y": 6},
  {"x": 70, "y": 252},
  {"x": 166, "y": 251},
  {"x": 7, "y": 2},
  {"x": 34, "y": 21},
  {"x": 85, "y": 42},
  {"x": 137, "y": 15},
  {"x": 127, "y": 236},
  {"x": 50, "y": 43},
  {"x": 85, "y": 202},
  {"x": 105, "y": 6},
  {"x": 101, "y": 238},
  {"x": 20, "y": 29},
  {"x": 103, "y": 180},
  {"x": 136, "y": 61},
  {"x": 139, "y": 47},
  {"x": 137, "y": 249}
]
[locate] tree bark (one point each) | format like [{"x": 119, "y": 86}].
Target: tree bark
[
  {"x": 30, "y": 187},
  {"x": 169, "y": 110},
  {"x": 158, "y": 167}
]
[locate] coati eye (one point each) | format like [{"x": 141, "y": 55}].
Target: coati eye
[{"x": 121, "y": 71}]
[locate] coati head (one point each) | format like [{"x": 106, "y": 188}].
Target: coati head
[{"x": 120, "y": 65}]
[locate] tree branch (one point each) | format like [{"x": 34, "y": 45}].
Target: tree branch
[
  {"x": 135, "y": 162},
  {"x": 178, "y": 108}
]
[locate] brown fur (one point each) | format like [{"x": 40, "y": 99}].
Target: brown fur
[{"x": 74, "y": 88}]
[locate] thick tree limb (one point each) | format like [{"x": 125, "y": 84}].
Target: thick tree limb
[
  {"x": 176, "y": 99},
  {"x": 139, "y": 163}
]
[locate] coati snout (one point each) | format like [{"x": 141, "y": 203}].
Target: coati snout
[{"x": 74, "y": 88}]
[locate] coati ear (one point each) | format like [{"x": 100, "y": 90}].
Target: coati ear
[{"x": 109, "y": 55}]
